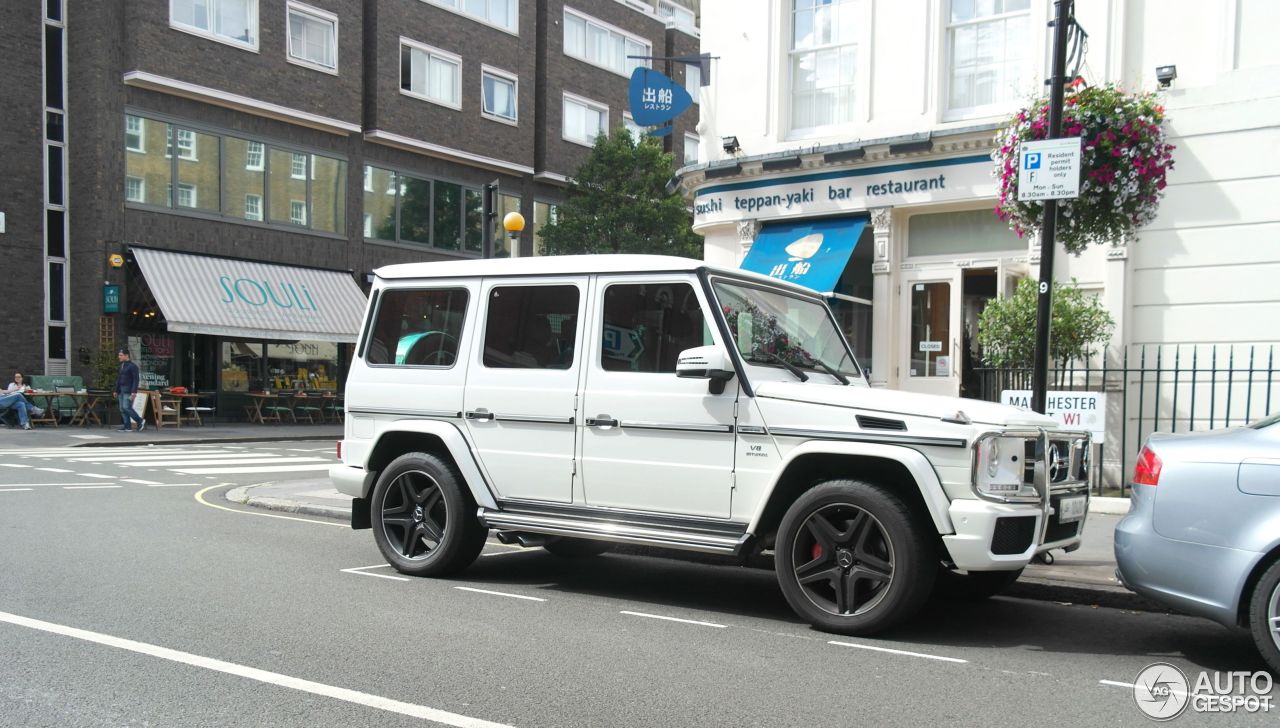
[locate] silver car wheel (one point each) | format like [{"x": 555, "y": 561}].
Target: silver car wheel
[{"x": 1273, "y": 616}]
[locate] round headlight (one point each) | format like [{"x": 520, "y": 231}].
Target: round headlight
[{"x": 993, "y": 457}]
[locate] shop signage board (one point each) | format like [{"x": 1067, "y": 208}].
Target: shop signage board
[
  {"x": 1049, "y": 169},
  {"x": 111, "y": 299},
  {"x": 655, "y": 99},
  {"x": 1073, "y": 410},
  {"x": 855, "y": 189}
]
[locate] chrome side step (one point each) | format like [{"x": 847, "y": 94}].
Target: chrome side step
[{"x": 615, "y": 531}]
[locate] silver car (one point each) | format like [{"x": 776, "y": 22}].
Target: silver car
[{"x": 1203, "y": 530}]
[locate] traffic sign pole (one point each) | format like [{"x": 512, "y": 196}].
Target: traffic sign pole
[{"x": 1044, "y": 300}]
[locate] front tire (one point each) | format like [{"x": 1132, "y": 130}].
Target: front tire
[
  {"x": 424, "y": 521},
  {"x": 851, "y": 558},
  {"x": 1264, "y": 616}
]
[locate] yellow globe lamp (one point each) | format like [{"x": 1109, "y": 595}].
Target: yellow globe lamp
[{"x": 513, "y": 223}]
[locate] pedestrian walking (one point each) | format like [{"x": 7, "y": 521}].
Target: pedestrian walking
[{"x": 126, "y": 390}]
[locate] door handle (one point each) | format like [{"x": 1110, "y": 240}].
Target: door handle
[
  {"x": 601, "y": 421},
  {"x": 481, "y": 415}
]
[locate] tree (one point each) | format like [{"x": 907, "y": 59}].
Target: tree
[
  {"x": 1007, "y": 326},
  {"x": 617, "y": 203}
]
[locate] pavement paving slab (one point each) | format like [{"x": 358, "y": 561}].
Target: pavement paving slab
[{"x": 67, "y": 436}]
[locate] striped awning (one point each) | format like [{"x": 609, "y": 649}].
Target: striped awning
[{"x": 244, "y": 299}]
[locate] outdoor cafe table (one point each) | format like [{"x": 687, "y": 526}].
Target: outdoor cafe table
[
  {"x": 87, "y": 406},
  {"x": 258, "y": 400},
  {"x": 179, "y": 401}
]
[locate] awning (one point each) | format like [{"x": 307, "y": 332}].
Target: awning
[
  {"x": 244, "y": 299},
  {"x": 812, "y": 254}
]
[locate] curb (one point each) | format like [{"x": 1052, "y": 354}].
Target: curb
[
  {"x": 1108, "y": 505},
  {"x": 240, "y": 495},
  {"x": 208, "y": 440}
]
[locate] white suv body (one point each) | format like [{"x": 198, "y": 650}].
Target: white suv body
[{"x": 570, "y": 402}]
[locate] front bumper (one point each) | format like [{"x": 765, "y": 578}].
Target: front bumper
[{"x": 1004, "y": 537}]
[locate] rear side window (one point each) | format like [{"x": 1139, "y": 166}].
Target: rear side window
[
  {"x": 531, "y": 327},
  {"x": 417, "y": 327},
  {"x": 647, "y": 325}
]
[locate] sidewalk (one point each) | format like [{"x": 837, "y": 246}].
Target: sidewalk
[
  {"x": 93, "y": 436},
  {"x": 1085, "y": 576}
]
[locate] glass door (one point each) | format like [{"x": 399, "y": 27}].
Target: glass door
[{"x": 930, "y": 364}]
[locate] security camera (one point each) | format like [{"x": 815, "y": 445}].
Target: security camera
[{"x": 1165, "y": 75}]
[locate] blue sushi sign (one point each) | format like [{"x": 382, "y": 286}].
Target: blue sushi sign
[{"x": 656, "y": 99}]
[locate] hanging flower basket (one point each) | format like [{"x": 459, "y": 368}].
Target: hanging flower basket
[{"x": 1124, "y": 161}]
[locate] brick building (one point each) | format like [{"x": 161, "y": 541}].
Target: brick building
[{"x": 316, "y": 140}]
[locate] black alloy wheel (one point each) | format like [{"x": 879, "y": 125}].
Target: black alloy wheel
[
  {"x": 423, "y": 517},
  {"x": 852, "y": 557}
]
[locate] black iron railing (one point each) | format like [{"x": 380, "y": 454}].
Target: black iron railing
[{"x": 1158, "y": 388}]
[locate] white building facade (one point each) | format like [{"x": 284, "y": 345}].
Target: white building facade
[{"x": 877, "y": 116}]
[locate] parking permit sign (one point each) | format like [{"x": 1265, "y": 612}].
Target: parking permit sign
[{"x": 1049, "y": 169}]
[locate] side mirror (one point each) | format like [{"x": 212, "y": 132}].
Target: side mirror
[{"x": 706, "y": 362}]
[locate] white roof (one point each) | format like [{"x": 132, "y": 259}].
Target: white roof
[{"x": 566, "y": 265}]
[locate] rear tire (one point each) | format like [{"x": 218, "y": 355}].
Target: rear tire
[
  {"x": 852, "y": 559},
  {"x": 424, "y": 520},
  {"x": 577, "y": 548},
  {"x": 973, "y": 586},
  {"x": 1264, "y": 616}
]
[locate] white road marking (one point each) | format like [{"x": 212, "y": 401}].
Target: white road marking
[
  {"x": 54, "y": 470},
  {"x": 252, "y": 673},
  {"x": 251, "y": 469},
  {"x": 1131, "y": 686},
  {"x": 898, "y": 652},
  {"x": 90, "y": 437},
  {"x": 199, "y": 496},
  {"x": 142, "y": 482},
  {"x": 360, "y": 571},
  {"x": 89, "y": 487},
  {"x": 231, "y": 460},
  {"x": 149, "y": 457},
  {"x": 310, "y": 449},
  {"x": 174, "y": 485},
  {"x": 13, "y": 465},
  {"x": 500, "y": 594},
  {"x": 12, "y": 490},
  {"x": 674, "y": 619},
  {"x": 44, "y": 485},
  {"x": 96, "y": 475}
]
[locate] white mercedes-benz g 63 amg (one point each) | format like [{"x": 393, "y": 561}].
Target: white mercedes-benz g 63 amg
[{"x": 571, "y": 403}]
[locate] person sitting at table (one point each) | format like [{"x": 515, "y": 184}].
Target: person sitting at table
[
  {"x": 18, "y": 403},
  {"x": 19, "y": 384}
]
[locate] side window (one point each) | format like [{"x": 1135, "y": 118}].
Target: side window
[
  {"x": 417, "y": 328},
  {"x": 531, "y": 327},
  {"x": 647, "y": 325}
]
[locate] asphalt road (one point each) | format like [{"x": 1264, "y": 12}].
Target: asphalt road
[{"x": 167, "y": 605}]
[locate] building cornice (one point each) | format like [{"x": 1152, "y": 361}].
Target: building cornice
[
  {"x": 417, "y": 145},
  {"x": 245, "y": 104}
]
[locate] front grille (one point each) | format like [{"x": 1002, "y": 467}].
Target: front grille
[{"x": 1013, "y": 535}]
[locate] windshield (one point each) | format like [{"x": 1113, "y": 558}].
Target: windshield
[{"x": 767, "y": 326}]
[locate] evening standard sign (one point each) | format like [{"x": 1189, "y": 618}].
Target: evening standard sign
[
  {"x": 1073, "y": 410},
  {"x": 854, "y": 190}
]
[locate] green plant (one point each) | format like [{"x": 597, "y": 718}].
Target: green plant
[
  {"x": 1124, "y": 161},
  {"x": 617, "y": 202},
  {"x": 1007, "y": 326},
  {"x": 105, "y": 369}
]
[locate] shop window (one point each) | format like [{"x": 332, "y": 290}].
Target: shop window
[
  {"x": 380, "y": 203},
  {"x": 447, "y": 234},
  {"x": 244, "y": 182},
  {"x": 473, "y": 235},
  {"x": 157, "y": 360},
  {"x": 415, "y": 210},
  {"x": 647, "y": 325},
  {"x": 198, "y": 168},
  {"x": 930, "y": 329},
  {"x": 531, "y": 327},
  {"x": 303, "y": 365},
  {"x": 241, "y": 366},
  {"x": 417, "y": 328},
  {"x": 328, "y": 194},
  {"x": 544, "y": 213}
]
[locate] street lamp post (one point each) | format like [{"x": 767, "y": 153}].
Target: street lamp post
[{"x": 513, "y": 223}]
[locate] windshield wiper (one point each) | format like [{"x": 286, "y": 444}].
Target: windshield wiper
[
  {"x": 826, "y": 367},
  {"x": 790, "y": 367}
]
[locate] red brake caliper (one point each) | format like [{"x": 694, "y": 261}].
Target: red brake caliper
[{"x": 817, "y": 551}]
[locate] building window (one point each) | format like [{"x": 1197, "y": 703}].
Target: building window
[
  {"x": 298, "y": 166},
  {"x": 690, "y": 149},
  {"x": 253, "y": 156},
  {"x": 298, "y": 212},
  {"x": 584, "y": 120},
  {"x": 500, "y": 13},
  {"x": 590, "y": 40},
  {"x": 253, "y": 207},
  {"x": 988, "y": 46},
  {"x": 379, "y": 203},
  {"x": 187, "y": 196},
  {"x": 232, "y": 21},
  {"x": 823, "y": 59},
  {"x": 499, "y": 91},
  {"x": 135, "y": 189},
  {"x": 135, "y": 132},
  {"x": 199, "y": 170},
  {"x": 682, "y": 17},
  {"x": 543, "y": 214},
  {"x": 433, "y": 213},
  {"x": 430, "y": 73},
  {"x": 186, "y": 143},
  {"x": 629, "y": 123},
  {"x": 313, "y": 37},
  {"x": 693, "y": 80},
  {"x": 368, "y": 224}
]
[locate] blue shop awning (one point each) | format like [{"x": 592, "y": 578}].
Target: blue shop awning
[{"x": 812, "y": 254}]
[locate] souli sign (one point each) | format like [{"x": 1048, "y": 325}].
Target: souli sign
[
  {"x": 656, "y": 99},
  {"x": 261, "y": 293}
]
